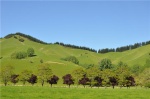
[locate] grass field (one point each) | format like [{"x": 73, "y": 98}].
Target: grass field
[
  {"x": 53, "y": 53},
  {"x": 38, "y": 92}
]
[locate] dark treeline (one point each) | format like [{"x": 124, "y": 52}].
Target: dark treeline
[
  {"x": 31, "y": 38},
  {"x": 76, "y": 47},
  {"x": 26, "y": 36},
  {"x": 124, "y": 48},
  {"x": 106, "y": 50}
]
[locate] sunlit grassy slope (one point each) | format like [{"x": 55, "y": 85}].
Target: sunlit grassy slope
[{"x": 53, "y": 55}]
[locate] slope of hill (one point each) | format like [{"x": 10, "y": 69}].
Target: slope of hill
[{"x": 53, "y": 54}]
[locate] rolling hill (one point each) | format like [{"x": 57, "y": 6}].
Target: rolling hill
[{"x": 53, "y": 54}]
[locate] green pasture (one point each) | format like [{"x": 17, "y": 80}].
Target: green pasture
[
  {"x": 38, "y": 92},
  {"x": 53, "y": 54}
]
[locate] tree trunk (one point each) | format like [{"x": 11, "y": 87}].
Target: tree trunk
[
  {"x": 91, "y": 86},
  {"x": 42, "y": 83},
  {"x": 113, "y": 87},
  {"x": 77, "y": 85},
  {"x": 120, "y": 86},
  {"x": 24, "y": 83},
  {"x": 5, "y": 83}
]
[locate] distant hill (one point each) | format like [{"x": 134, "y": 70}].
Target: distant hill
[
  {"x": 53, "y": 54},
  {"x": 104, "y": 50}
]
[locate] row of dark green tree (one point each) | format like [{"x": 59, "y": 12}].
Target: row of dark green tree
[
  {"x": 105, "y": 75},
  {"x": 76, "y": 47},
  {"x": 105, "y": 50},
  {"x": 25, "y": 36},
  {"x": 124, "y": 48}
]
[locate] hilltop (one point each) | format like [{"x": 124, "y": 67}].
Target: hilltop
[{"x": 54, "y": 53}]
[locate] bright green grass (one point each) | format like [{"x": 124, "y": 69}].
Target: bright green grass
[{"x": 37, "y": 92}]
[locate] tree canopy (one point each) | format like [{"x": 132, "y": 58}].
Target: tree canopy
[
  {"x": 6, "y": 73},
  {"x": 53, "y": 80},
  {"x": 30, "y": 52},
  {"x": 105, "y": 64},
  {"x": 68, "y": 79},
  {"x": 78, "y": 74},
  {"x": 44, "y": 73},
  {"x": 25, "y": 76}
]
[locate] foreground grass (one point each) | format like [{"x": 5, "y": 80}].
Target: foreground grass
[{"x": 37, "y": 92}]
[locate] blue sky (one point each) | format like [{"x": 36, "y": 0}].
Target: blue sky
[{"x": 95, "y": 24}]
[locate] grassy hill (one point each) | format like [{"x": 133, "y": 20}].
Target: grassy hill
[{"x": 54, "y": 53}]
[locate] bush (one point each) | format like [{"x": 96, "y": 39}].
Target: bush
[
  {"x": 72, "y": 59},
  {"x": 30, "y": 52},
  {"x": 19, "y": 55},
  {"x": 41, "y": 61},
  {"x": 15, "y": 37},
  {"x": 21, "y": 39}
]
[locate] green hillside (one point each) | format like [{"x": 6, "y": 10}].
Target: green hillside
[{"x": 53, "y": 54}]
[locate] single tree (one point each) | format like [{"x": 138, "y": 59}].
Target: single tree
[
  {"x": 91, "y": 73},
  {"x": 122, "y": 71},
  {"x": 68, "y": 79},
  {"x": 53, "y": 80},
  {"x": 113, "y": 81},
  {"x": 32, "y": 79},
  {"x": 30, "y": 52},
  {"x": 130, "y": 81},
  {"x": 78, "y": 74},
  {"x": 24, "y": 76},
  {"x": 84, "y": 81},
  {"x": 105, "y": 64},
  {"x": 98, "y": 80},
  {"x": 105, "y": 76},
  {"x": 6, "y": 73},
  {"x": 14, "y": 78},
  {"x": 44, "y": 73}
]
